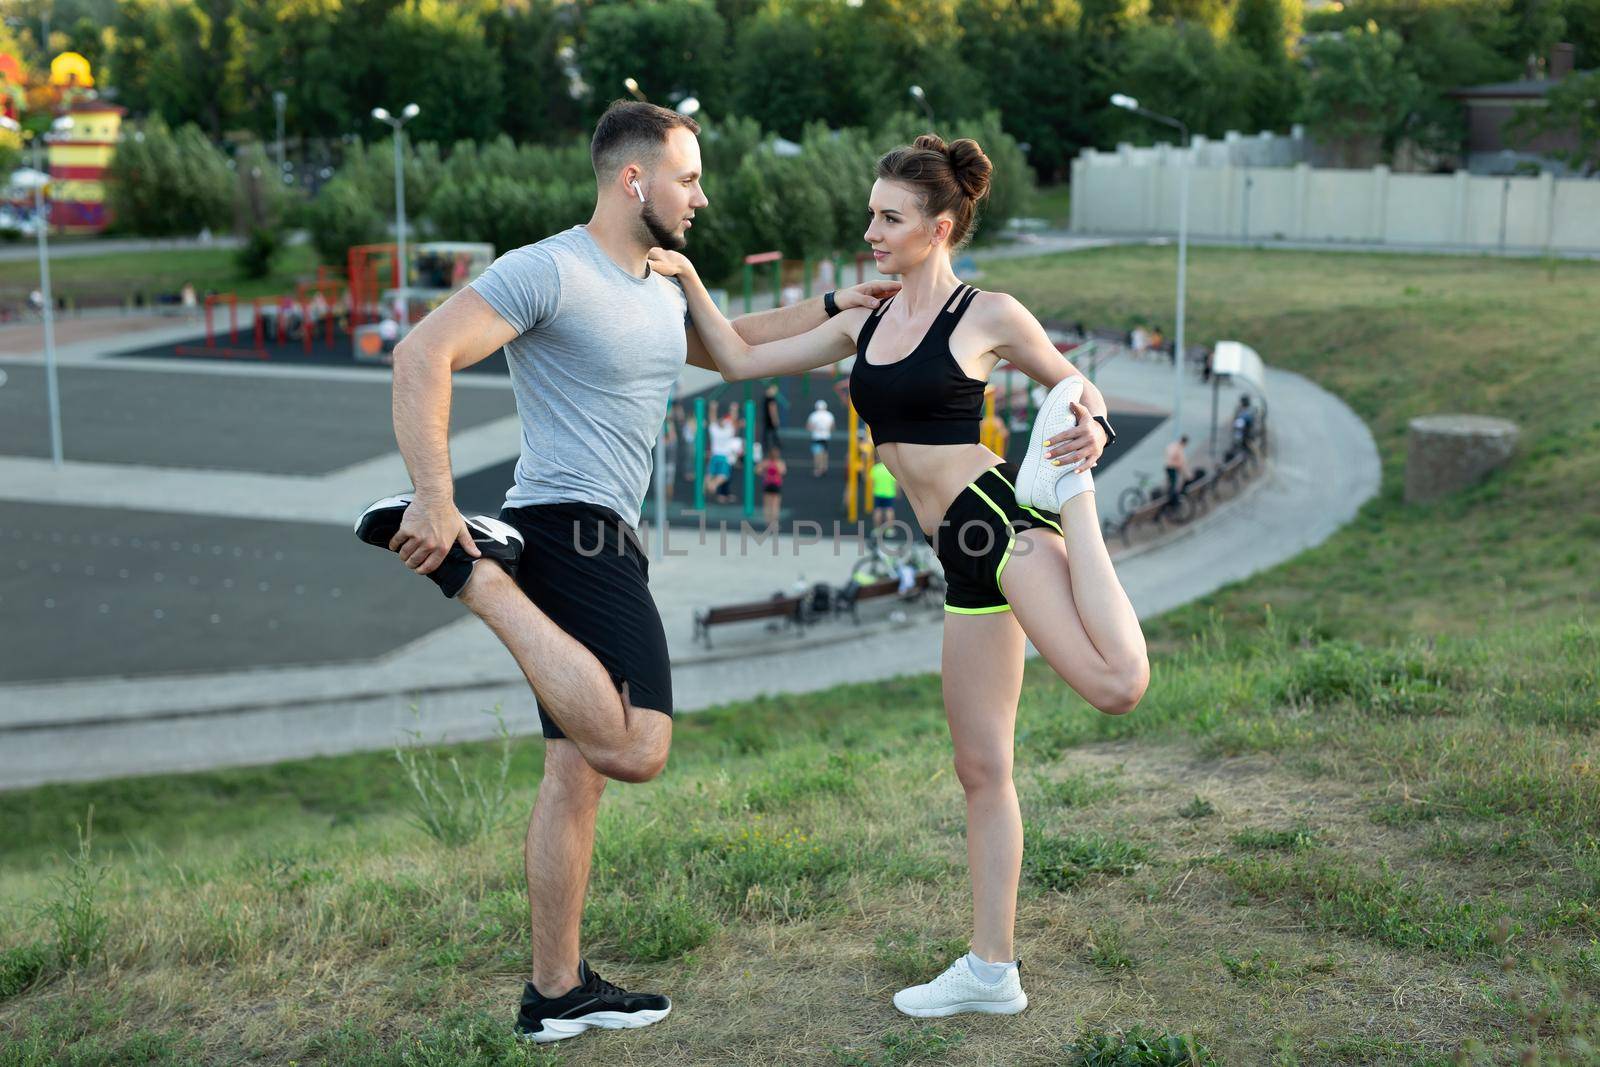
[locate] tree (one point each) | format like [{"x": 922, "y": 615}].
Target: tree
[
  {"x": 163, "y": 183},
  {"x": 342, "y": 216},
  {"x": 1362, "y": 86},
  {"x": 174, "y": 58},
  {"x": 1182, "y": 71},
  {"x": 1033, "y": 62},
  {"x": 672, "y": 48},
  {"x": 780, "y": 75},
  {"x": 313, "y": 52},
  {"x": 1265, "y": 29},
  {"x": 1573, "y": 105},
  {"x": 534, "y": 43},
  {"x": 435, "y": 54}
]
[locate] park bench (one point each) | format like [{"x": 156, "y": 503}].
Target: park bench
[
  {"x": 883, "y": 587},
  {"x": 786, "y": 608},
  {"x": 1197, "y": 496}
]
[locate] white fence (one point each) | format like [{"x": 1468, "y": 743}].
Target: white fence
[
  {"x": 1368, "y": 206},
  {"x": 1265, "y": 149}
]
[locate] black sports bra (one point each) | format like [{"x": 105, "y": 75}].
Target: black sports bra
[{"x": 925, "y": 398}]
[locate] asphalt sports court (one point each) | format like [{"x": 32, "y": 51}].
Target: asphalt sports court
[{"x": 90, "y": 592}]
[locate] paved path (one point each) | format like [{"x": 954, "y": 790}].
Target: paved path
[{"x": 109, "y": 727}]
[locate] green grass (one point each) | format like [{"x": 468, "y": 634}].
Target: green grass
[
  {"x": 1053, "y": 203},
  {"x": 118, "y": 275},
  {"x": 1354, "y": 820}
]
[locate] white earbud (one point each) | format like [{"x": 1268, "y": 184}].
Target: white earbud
[{"x": 635, "y": 184}]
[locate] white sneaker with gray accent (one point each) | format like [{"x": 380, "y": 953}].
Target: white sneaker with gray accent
[
  {"x": 1040, "y": 483},
  {"x": 959, "y": 990}
]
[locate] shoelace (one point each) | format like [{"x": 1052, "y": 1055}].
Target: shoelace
[{"x": 600, "y": 987}]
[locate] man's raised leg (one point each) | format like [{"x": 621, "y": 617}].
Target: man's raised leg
[{"x": 615, "y": 738}]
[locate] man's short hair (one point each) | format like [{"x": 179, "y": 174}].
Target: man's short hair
[{"x": 633, "y": 130}]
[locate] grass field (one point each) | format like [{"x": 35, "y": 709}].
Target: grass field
[
  {"x": 1355, "y": 821},
  {"x": 118, "y": 275}
]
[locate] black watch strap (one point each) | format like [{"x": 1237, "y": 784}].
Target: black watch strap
[
  {"x": 1111, "y": 435},
  {"x": 829, "y": 304}
]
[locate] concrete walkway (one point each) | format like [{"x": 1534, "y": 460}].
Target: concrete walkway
[{"x": 443, "y": 684}]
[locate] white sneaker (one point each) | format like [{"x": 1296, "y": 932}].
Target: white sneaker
[
  {"x": 958, "y": 990},
  {"x": 1040, "y": 483}
]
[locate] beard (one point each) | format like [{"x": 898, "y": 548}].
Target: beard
[{"x": 660, "y": 234}]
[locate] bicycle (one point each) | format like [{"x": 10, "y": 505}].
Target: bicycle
[{"x": 1135, "y": 497}]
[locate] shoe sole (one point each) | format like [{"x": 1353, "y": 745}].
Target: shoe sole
[
  {"x": 561, "y": 1029},
  {"x": 376, "y": 528},
  {"x": 381, "y": 521},
  {"x": 1027, "y": 476},
  {"x": 982, "y": 1007}
]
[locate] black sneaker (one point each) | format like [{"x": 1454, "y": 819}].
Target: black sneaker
[
  {"x": 595, "y": 1002},
  {"x": 496, "y": 540}
]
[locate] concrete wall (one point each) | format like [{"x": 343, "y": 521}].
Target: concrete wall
[
  {"x": 1140, "y": 196},
  {"x": 1266, "y": 149}
]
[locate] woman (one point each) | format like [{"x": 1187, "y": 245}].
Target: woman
[
  {"x": 772, "y": 470},
  {"x": 1014, "y": 571}
]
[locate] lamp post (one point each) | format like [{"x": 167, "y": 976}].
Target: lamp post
[
  {"x": 279, "y": 99},
  {"x": 47, "y": 305},
  {"x": 1128, "y": 103},
  {"x": 397, "y": 124},
  {"x": 633, "y": 89},
  {"x": 922, "y": 98}
]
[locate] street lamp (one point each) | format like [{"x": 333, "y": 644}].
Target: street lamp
[
  {"x": 47, "y": 308},
  {"x": 633, "y": 88},
  {"x": 279, "y": 99},
  {"x": 1128, "y": 103},
  {"x": 397, "y": 124},
  {"x": 922, "y": 98}
]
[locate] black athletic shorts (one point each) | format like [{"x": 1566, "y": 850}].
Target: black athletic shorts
[
  {"x": 976, "y": 537},
  {"x": 584, "y": 567}
]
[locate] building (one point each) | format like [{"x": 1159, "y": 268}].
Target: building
[
  {"x": 1493, "y": 148},
  {"x": 78, "y": 161}
]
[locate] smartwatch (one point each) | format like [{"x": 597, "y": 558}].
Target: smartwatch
[
  {"x": 829, "y": 304},
  {"x": 1111, "y": 435}
]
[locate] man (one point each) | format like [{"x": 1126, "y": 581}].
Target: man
[
  {"x": 595, "y": 343},
  {"x": 771, "y": 420},
  {"x": 1177, "y": 464},
  {"x": 820, "y": 426},
  {"x": 1244, "y": 424}
]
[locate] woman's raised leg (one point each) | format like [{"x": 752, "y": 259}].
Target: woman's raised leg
[{"x": 1068, "y": 600}]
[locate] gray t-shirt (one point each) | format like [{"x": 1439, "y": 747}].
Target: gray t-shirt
[{"x": 593, "y": 364}]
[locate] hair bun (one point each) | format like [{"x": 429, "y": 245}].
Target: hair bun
[
  {"x": 969, "y": 166},
  {"x": 933, "y": 143}
]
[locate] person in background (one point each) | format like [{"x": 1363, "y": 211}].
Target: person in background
[
  {"x": 1177, "y": 467},
  {"x": 820, "y": 426},
  {"x": 1244, "y": 423},
  {"x": 884, "y": 488},
  {"x": 724, "y": 438},
  {"x": 772, "y": 470},
  {"x": 771, "y": 418}
]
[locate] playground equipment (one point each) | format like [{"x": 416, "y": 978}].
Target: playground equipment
[{"x": 382, "y": 314}]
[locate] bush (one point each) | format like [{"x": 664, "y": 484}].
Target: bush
[
  {"x": 21, "y": 967},
  {"x": 255, "y": 256},
  {"x": 342, "y": 216},
  {"x": 74, "y": 910},
  {"x": 457, "y": 808},
  {"x": 1137, "y": 1048},
  {"x": 160, "y": 183}
]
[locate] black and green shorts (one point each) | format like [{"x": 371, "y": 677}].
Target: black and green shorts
[{"x": 976, "y": 537}]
